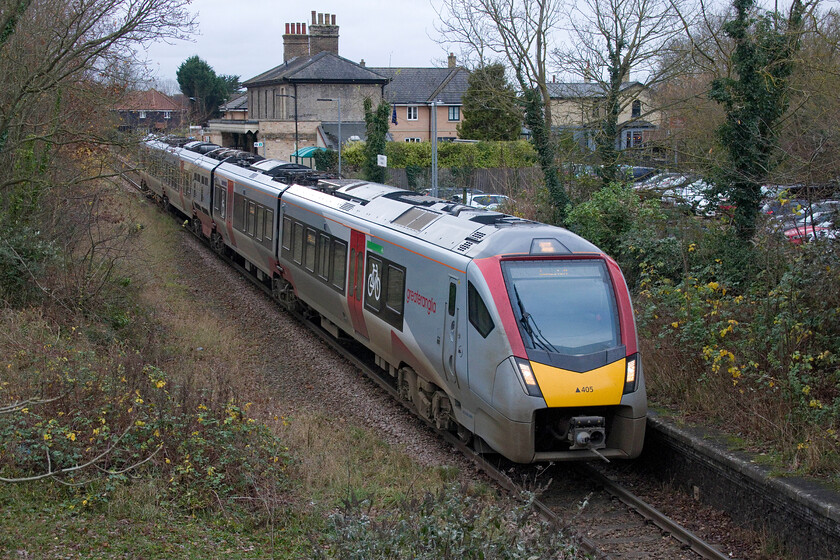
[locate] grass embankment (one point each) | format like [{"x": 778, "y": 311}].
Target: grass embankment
[{"x": 151, "y": 389}]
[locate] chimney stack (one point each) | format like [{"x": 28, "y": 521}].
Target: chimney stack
[
  {"x": 295, "y": 41},
  {"x": 452, "y": 60},
  {"x": 323, "y": 34}
]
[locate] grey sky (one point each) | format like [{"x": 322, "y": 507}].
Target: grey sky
[{"x": 245, "y": 37}]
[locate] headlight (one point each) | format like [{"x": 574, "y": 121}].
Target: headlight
[
  {"x": 527, "y": 377},
  {"x": 630, "y": 375}
]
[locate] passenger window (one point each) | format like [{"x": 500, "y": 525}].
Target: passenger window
[
  {"x": 252, "y": 218},
  {"x": 396, "y": 288},
  {"x": 269, "y": 224},
  {"x": 324, "y": 256},
  {"x": 287, "y": 234},
  {"x": 479, "y": 314},
  {"x": 297, "y": 240},
  {"x": 309, "y": 257},
  {"x": 260, "y": 223},
  {"x": 239, "y": 208},
  {"x": 339, "y": 268}
]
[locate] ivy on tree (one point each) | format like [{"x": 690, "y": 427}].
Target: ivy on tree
[
  {"x": 755, "y": 102},
  {"x": 376, "y": 128}
]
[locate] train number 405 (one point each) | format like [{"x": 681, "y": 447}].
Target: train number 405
[{"x": 587, "y": 389}]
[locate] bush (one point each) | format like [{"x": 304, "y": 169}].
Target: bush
[
  {"x": 448, "y": 524},
  {"x": 68, "y": 402},
  {"x": 761, "y": 355}
]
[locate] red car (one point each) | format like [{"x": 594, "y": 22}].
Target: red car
[{"x": 803, "y": 234}]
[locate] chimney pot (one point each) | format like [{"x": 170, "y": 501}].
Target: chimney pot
[
  {"x": 303, "y": 27},
  {"x": 320, "y": 19},
  {"x": 298, "y": 29},
  {"x": 452, "y": 60},
  {"x": 287, "y": 29},
  {"x": 333, "y": 19},
  {"x": 313, "y": 17}
]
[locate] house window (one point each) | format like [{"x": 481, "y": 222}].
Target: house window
[
  {"x": 454, "y": 113},
  {"x": 636, "y": 111},
  {"x": 633, "y": 139},
  {"x": 142, "y": 114},
  {"x": 167, "y": 114},
  {"x": 413, "y": 140},
  {"x": 411, "y": 113}
]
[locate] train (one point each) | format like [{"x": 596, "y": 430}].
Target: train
[{"x": 517, "y": 336}]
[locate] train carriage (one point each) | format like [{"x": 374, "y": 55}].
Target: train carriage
[{"x": 515, "y": 334}]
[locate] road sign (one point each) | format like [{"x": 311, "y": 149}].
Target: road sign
[
  {"x": 381, "y": 161},
  {"x": 258, "y": 144}
]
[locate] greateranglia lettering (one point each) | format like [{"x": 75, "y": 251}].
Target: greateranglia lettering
[{"x": 428, "y": 304}]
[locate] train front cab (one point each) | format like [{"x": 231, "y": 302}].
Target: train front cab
[{"x": 561, "y": 373}]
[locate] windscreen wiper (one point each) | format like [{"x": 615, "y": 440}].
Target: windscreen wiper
[{"x": 529, "y": 325}]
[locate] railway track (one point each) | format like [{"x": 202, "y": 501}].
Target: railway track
[{"x": 606, "y": 518}]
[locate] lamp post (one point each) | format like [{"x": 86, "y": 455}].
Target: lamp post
[
  {"x": 338, "y": 99},
  {"x": 297, "y": 158}
]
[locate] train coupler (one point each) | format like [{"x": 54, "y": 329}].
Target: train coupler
[{"x": 587, "y": 432}]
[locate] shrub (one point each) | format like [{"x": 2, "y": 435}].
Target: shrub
[
  {"x": 448, "y": 524},
  {"x": 69, "y": 402},
  {"x": 769, "y": 351}
]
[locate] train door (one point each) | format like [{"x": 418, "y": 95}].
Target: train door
[
  {"x": 356, "y": 281},
  {"x": 453, "y": 348}
]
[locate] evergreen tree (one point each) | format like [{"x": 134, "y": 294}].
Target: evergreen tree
[
  {"x": 376, "y": 123},
  {"x": 206, "y": 90},
  {"x": 490, "y": 107}
]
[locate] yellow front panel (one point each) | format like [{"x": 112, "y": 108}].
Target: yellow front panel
[{"x": 597, "y": 387}]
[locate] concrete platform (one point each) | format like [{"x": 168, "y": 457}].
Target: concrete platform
[{"x": 803, "y": 514}]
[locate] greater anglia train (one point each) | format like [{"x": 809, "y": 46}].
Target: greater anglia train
[{"x": 517, "y": 335}]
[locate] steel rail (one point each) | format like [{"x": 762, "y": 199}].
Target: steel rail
[{"x": 653, "y": 515}]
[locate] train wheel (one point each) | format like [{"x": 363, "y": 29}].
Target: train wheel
[
  {"x": 284, "y": 293},
  {"x": 217, "y": 243}
]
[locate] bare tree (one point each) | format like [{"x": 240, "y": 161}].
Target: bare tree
[
  {"x": 64, "y": 65},
  {"x": 609, "y": 39},
  {"x": 520, "y": 33},
  {"x": 50, "y": 47}
]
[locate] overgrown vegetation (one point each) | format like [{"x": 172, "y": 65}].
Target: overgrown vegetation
[{"x": 743, "y": 337}]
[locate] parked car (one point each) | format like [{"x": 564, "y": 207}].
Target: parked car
[
  {"x": 487, "y": 201},
  {"x": 682, "y": 191},
  {"x": 806, "y": 234}
]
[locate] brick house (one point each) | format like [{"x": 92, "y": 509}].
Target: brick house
[
  {"x": 301, "y": 98},
  {"x": 412, "y": 91},
  {"x": 150, "y": 111}
]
